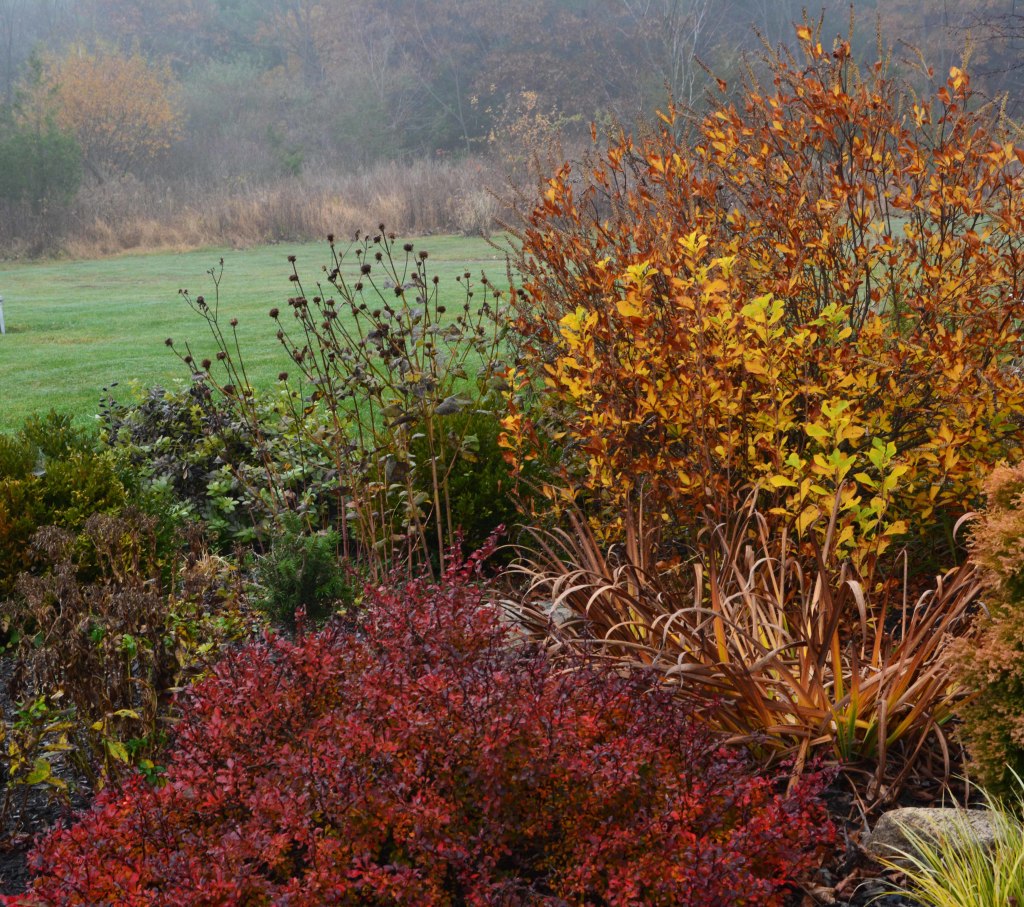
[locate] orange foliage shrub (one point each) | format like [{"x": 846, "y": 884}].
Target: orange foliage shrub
[
  {"x": 817, "y": 292},
  {"x": 994, "y": 665},
  {"x": 121, "y": 109}
]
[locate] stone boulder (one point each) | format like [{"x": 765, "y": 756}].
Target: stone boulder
[{"x": 888, "y": 838}]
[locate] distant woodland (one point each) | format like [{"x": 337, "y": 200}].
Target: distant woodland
[{"x": 138, "y": 123}]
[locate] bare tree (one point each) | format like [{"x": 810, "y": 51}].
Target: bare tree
[{"x": 674, "y": 35}]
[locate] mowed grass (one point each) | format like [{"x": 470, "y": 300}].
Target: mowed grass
[{"x": 75, "y": 327}]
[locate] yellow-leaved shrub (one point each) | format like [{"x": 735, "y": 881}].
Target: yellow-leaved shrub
[{"x": 816, "y": 294}]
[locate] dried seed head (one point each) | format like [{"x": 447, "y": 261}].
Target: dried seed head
[
  {"x": 169, "y": 341},
  {"x": 233, "y": 322},
  {"x": 282, "y": 376},
  {"x": 407, "y": 247},
  {"x": 365, "y": 269},
  {"x": 206, "y": 363},
  {"x": 291, "y": 259},
  {"x": 221, "y": 355},
  {"x": 275, "y": 312}
]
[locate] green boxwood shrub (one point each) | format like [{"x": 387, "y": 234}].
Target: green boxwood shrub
[{"x": 51, "y": 475}]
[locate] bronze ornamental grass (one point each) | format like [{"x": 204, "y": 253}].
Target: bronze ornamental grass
[{"x": 799, "y": 658}]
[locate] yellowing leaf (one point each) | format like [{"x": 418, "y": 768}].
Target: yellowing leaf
[
  {"x": 628, "y": 308},
  {"x": 809, "y": 514},
  {"x": 41, "y": 771},
  {"x": 816, "y": 432},
  {"x": 117, "y": 750}
]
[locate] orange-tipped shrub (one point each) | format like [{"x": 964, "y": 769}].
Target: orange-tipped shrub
[
  {"x": 994, "y": 718},
  {"x": 817, "y": 291}
]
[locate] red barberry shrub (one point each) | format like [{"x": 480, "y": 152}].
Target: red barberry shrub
[{"x": 432, "y": 757}]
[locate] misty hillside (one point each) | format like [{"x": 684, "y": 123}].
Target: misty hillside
[{"x": 177, "y": 122}]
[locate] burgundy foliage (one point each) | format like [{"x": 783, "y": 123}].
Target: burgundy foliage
[{"x": 430, "y": 758}]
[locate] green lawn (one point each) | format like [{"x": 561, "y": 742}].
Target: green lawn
[{"x": 74, "y": 327}]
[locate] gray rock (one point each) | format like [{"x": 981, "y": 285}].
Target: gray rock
[{"x": 888, "y": 838}]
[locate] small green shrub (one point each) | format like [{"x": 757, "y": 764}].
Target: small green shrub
[
  {"x": 51, "y": 475},
  {"x": 17, "y": 457},
  {"x": 54, "y": 436},
  {"x": 302, "y": 570},
  {"x": 85, "y": 483}
]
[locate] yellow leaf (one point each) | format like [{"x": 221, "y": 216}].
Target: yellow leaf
[
  {"x": 628, "y": 308},
  {"x": 638, "y": 272},
  {"x": 806, "y": 518},
  {"x": 41, "y": 772},
  {"x": 816, "y": 432},
  {"x": 116, "y": 749}
]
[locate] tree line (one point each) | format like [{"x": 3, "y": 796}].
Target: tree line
[{"x": 219, "y": 90}]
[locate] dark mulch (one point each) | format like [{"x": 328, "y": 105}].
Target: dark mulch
[{"x": 851, "y": 878}]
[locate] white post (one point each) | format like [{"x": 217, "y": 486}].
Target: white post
[{"x": 3, "y": 330}]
